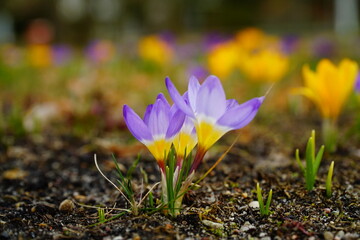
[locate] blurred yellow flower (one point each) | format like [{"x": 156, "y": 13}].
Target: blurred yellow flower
[
  {"x": 250, "y": 38},
  {"x": 265, "y": 66},
  {"x": 39, "y": 55},
  {"x": 223, "y": 59},
  {"x": 329, "y": 86},
  {"x": 153, "y": 48}
]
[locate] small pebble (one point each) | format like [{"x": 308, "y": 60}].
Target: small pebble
[
  {"x": 339, "y": 235},
  {"x": 254, "y": 205},
  {"x": 351, "y": 236},
  {"x": 265, "y": 238},
  {"x": 211, "y": 224},
  {"x": 328, "y": 236},
  {"x": 262, "y": 234},
  {"x": 327, "y": 210},
  {"x": 67, "y": 206},
  {"x": 246, "y": 227}
]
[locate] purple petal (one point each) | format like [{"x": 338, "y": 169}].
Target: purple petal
[
  {"x": 231, "y": 103},
  {"x": 159, "y": 118},
  {"x": 162, "y": 98},
  {"x": 241, "y": 115},
  {"x": 178, "y": 99},
  {"x": 176, "y": 122},
  {"x": 147, "y": 114},
  {"x": 136, "y": 125},
  {"x": 211, "y": 99},
  {"x": 193, "y": 89}
]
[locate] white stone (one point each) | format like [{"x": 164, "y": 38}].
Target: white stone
[
  {"x": 328, "y": 236},
  {"x": 254, "y": 205}
]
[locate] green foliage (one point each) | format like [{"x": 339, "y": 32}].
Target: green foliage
[
  {"x": 264, "y": 209},
  {"x": 175, "y": 178},
  {"x": 101, "y": 215},
  {"x": 329, "y": 180},
  {"x": 312, "y": 161}
]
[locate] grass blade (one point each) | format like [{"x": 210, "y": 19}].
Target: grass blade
[
  {"x": 260, "y": 199},
  {"x": 268, "y": 202},
  {"x": 310, "y": 155},
  {"x": 329, "y": 180},
  {"x": 318, "y": 159},
  {"x": 297, "y": 157}
]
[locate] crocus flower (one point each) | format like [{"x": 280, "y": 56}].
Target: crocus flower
[
  {"x": 158, "y": 128},
  {"x": 329, "y": 86},
  {"x": 39, "y": 55},
  {"x": 251, "y": 38},
  {"x": 212, "y": 114},
  {"x": 153, "y": 48},
  {"x": 186, "y": 139},
  {"x": 265, "y": 66},
  {"x": 223, "y": 59},
  {"x": 357, "y": 84},
  {"x": 100, "y": 51}
]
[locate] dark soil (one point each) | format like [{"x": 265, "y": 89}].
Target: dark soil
[{"x": 38, "y": 173}]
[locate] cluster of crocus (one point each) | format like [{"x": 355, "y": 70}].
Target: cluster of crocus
[
  {"x": 257, "y": 55},
  {"x": 329, "y": 87},
  {"x": 201, "y": 116}
]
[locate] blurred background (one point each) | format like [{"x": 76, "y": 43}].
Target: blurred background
[{"x": 72, "y": 64}]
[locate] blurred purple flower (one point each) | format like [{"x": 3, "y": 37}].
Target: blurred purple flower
[
  {"x": 100, "y": 51},
  {"x": 199, "y": 72},
  {"x": 168, "y": 37},
  {"x": 357, "y": 83},
  {"x": 289, "y": 43},
  {"x": 213, "y": 39},
  {"x": 61, "y": 54},
  {"x": 323, "y": 47}
]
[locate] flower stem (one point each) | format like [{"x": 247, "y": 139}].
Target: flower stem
[
  {"x": 330, "y": 134},
  {"x": 198, "y": 158}
]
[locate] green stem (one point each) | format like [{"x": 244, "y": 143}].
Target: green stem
[{"x": 330, "y": 134}]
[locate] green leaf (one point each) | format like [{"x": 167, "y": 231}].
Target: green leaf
[
  {"x": 133, "y": 167},
  {"x": 329, "y": 180},
  {"x": 297, "y": 157},
  {"x": 318, "y": 159},
  {"x": 310, "y": 155},
  {"x": 268, "y": 202},
  {"x": 260, "y": 199}
]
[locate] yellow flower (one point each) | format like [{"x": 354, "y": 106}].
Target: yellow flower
[
  {"x": 39, "y": 55},
  {"x": 265, "y": 66},
  {"x": 152, "y": 48},
  {"x": 223, "y": 59},
  {"x": 329, "y": 86},
  {"x": 250, "y": 38}
]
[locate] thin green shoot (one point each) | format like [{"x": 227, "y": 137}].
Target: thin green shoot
[
  {"x": 108, "y": 219},
  {"x": 312, "y": 162},
  {"x": 126, "y": 189},
  {"x": 264, "y": 209},
  {"x": 329, "y": 180},
  {"x": 101, "y": 215}
]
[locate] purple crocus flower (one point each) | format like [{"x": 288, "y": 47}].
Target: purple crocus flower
[
  {"x": 198, "y": 71},
  {"x": 357, "y": 83},
  {"x": 289, "y": 43},
  {"x": 61, "y": 54},
  {"x": 160, "y": 125},
  {"x": 212, "y": 114}
]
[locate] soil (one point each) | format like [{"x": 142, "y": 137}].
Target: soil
[{"x": 39, "y": 172}]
